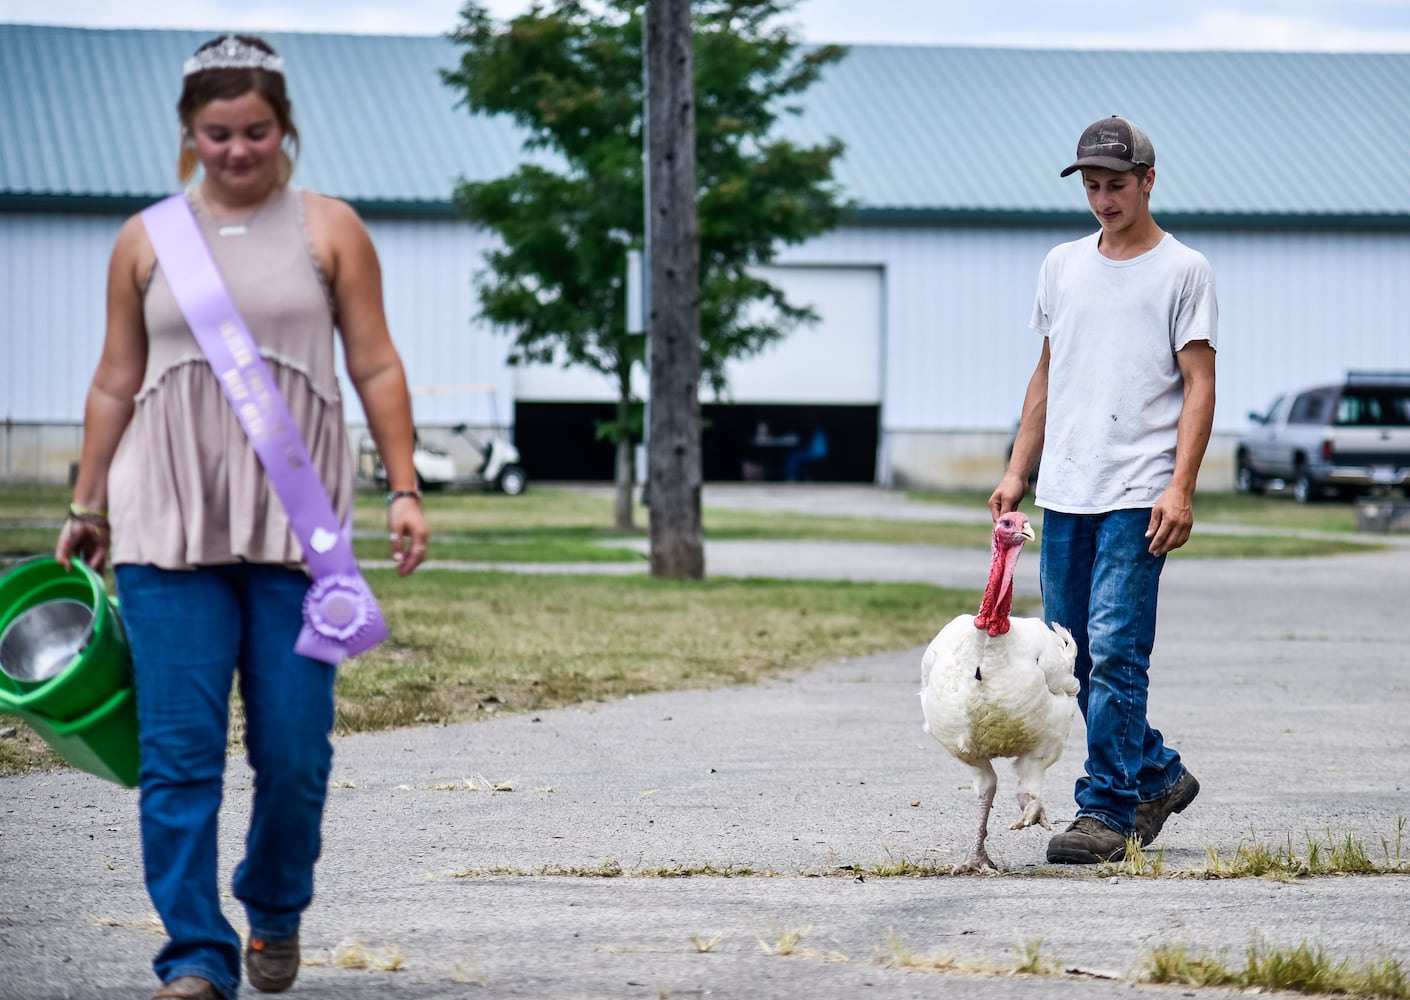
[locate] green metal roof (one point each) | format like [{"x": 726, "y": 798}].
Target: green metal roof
[{"x": 87, "y": 120}]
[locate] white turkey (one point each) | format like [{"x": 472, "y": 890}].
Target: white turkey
[{"x": 994, "y": 686}]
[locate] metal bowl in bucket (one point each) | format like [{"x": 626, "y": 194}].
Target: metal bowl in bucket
[{"x": 42, "y": 640}]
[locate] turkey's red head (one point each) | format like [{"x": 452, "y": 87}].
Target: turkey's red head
[{"x": 1011, "y": 530}]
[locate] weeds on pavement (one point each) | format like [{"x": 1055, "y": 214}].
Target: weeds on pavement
[{"x": 1303, "y": 968}]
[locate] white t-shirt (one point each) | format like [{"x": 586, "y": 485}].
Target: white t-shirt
[{"x": 1114, "y": 389}]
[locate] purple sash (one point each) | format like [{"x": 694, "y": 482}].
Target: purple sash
[{"x": 341, "y": 617}]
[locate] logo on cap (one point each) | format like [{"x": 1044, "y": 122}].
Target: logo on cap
[{"x": 1104, "y": 139}]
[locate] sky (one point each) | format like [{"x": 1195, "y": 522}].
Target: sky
[{"x": 1290, "y": 25}]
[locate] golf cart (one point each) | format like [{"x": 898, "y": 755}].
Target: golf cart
[{"x": 458, "y": 458}]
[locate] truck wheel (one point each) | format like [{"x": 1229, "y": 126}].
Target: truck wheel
[
  {"x": 512, "y": 480},
  {"x": 1305, "y": 488},
  {"x": 1245, "y": 479}
]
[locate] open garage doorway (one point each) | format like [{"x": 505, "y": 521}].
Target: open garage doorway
[
  {"x": 559, "y": 441},
  {"x": 751, "y": 441}
]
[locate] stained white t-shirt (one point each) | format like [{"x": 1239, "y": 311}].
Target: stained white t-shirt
[{"x": 1114, "y": 389}]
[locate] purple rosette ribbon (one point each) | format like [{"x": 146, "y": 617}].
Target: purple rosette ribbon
[{"x": 341, "y": 616}]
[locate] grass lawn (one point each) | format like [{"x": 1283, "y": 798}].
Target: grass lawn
[{"x": 556, "y": 525}]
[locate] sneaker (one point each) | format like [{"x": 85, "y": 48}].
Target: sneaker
[
  {"x": 1086, "y": 842},
  {"x": 1151, "y": 816},
  {"x": 271, "y": 966}
]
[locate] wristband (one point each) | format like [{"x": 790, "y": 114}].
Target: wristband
[
  {"x": 396, "y": 495},
  {"x": 87, "y": 513}
]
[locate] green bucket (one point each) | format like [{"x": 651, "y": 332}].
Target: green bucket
[{"x": 65, "y": 668}]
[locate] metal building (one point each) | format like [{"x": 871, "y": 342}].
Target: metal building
[{"x": 1282, "y": 168}]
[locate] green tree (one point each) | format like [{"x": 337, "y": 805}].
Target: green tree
[{"x": 570, "y": 74}]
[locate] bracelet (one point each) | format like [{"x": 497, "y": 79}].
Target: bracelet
[
  {"x": 396, "y": 495},
  {"x": 87, "y": 513}
]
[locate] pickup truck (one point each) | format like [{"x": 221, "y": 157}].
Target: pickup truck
[{"x": 1331, "y": 440}]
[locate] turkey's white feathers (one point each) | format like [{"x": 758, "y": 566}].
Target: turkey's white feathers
[{"x": 1010, "y": 695}]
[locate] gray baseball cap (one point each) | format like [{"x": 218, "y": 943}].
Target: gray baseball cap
[{"x": 1113, "y": 143}]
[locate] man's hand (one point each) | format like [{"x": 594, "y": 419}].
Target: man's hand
[
  {"x": 1171, "y": 520},
  {"x": 1009, "y": 494}
]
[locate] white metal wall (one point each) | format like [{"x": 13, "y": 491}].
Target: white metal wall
[
  {"x": 428, "y": 271},
  {"x": 53, "y": 275},
  {"x": 955, "y": 350}
]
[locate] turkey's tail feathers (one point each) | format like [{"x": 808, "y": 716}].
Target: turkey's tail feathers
[
  {"x": 926, "y": 663},
  {"x": 1059, "y": 669}
]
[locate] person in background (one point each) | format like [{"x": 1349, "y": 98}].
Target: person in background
[
  {"x": 210, "y": 578},
  {"x": 1120, "y": 409},
  {"x": 803, "y": 462}
]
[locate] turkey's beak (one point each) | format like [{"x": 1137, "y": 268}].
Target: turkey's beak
[{"x": 1028, "y": 532}]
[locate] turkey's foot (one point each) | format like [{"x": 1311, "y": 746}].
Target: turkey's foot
[
  {"x": 1032, "y": 815},
  {"x": 978, "y": 863}
]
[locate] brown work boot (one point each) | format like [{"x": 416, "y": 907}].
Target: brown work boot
[
  {"x": 1151, "y": 816},
  {"x": 1087, "y": 841},
  {"x": 271, "y": 966}
]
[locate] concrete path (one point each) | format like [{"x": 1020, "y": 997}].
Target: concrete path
[{"x": 1284, "y": 683}]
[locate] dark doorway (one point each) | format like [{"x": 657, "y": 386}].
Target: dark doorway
[
  {"x": 558, "y": 441},
  {"x": 735, "y": 450}
]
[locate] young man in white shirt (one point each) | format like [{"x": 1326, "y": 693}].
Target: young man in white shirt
[{"x": 1119, "y": 409}]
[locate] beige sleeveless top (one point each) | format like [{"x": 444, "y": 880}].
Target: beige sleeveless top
[{"x": 186, "y": 487}]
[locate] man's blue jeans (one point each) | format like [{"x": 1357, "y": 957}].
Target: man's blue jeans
[
  {"x": 1101, "y": 582},
  {"x": 190, "y": 633}
]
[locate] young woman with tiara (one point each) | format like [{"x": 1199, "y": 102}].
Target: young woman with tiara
[{"x": 212, "y": 579}]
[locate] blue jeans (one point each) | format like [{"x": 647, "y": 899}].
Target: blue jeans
[
  {"x": 1101, "y": 582},
  {"x": 191, "y": 632}
]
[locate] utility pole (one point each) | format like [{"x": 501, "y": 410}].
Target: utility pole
[{"x": 674, "y": 466}]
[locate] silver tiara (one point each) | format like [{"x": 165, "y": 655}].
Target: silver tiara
[{"x": 232, "y": 53}]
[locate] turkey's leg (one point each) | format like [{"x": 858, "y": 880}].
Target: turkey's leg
[{"x": 978, "y": 860}]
